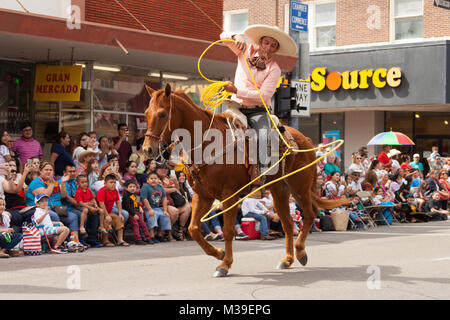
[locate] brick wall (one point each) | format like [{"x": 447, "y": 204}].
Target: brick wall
[
  {"x": 179, "y": 18},
  {"x": 354, "y": 19},
  {"x": 436, "y": 21},
  {"x": 354, "y": 25}
]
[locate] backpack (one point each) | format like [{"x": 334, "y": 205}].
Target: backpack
[{"x": 326, "y": 223}]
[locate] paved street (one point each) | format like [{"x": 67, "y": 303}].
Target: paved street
[{"x": 412, "y": 261}]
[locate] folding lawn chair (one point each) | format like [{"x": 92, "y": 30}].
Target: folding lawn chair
[{"x": 366, "y": 208}]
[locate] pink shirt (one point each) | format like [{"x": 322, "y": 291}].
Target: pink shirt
[
  {"x": 27, "y": 149},
  {"x": 267, "y": 79}
]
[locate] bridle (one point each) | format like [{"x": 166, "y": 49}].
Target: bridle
[{"x": 163, "y": 145}]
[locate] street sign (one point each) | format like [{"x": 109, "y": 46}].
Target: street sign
[
  {"x": 442, "y": 4},
  {"x": 298, "y": 16},
  {"x": 302, "y": 99}
]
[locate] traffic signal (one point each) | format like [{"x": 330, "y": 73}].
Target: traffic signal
[{"x": 284, "y": 99}]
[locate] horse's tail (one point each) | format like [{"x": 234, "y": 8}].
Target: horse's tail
[{"x": 328, "y": 204}]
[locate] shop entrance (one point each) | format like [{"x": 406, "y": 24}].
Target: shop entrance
[{"x": 425, "y": 142}]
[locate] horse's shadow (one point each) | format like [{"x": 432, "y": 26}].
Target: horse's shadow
[{"x": 306, "y": 276}]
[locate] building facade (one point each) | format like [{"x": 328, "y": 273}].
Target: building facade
[
  {"x": 347, "y": 53},
  {"x": 119, "y": 44}
]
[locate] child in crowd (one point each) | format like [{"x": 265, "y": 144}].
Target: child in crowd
[
  {"x": 295, "y": 214},
  {"x": 107, "y": 197},
  {"x": 8, "y": 238},
  {"x": 152, "y": 194},
  {"x": 93, "y": 172},
  {"x": 83, "y": 159},
  {"x": 254, "y": 208},
  {"x": 86, "y": 201},
  {"x": 434, "y": 207},
  {"x": 357, "y": 214},
  {"x": 130, "y": 204},
  {"x": 45, "y": 224}
]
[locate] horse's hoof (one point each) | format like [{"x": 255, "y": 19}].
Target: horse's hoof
[
  {"x": 283, "y": 265},
  {"x": 220, "y": 273},
  {"x": 303, "y": 260}
]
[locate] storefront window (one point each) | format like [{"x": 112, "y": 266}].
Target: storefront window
[
  {"x": 400, "y": 122},
  {"x": 310, "y": 127},
  {"x": 15, "y": 95}
]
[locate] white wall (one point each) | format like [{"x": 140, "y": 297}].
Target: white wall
[
  {"x": 55, "y": 8},
  {"x": 360, "y": 127}
]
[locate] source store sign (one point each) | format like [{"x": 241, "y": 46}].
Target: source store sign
[
  {"x": 299, "y": 16},
  {"x": 57, "y": 83}
]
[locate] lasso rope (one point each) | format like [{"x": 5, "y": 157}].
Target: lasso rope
[{"x": 213, "y": 96}]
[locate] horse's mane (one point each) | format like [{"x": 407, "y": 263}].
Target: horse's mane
[{"x": 220, "y": 120}]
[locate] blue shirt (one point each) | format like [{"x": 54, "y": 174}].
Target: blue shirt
[
  {"x": 416, "y": 182},
  {"x": 55, "y": 198},
  {"x": 153, "y": 195},
  {"x": 330, "y": 168},
  {"x": 417, "y": 165},
  {"x": 64, "y": 157},
  {"x": 71, "y": 188}
]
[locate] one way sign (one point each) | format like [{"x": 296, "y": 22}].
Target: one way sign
[{"x": 302, "y": 99}]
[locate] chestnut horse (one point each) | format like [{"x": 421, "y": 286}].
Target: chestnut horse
[{"x": 168, "y": 111}]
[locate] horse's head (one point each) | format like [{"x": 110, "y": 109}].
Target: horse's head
[{"x": 159, "y": 120}]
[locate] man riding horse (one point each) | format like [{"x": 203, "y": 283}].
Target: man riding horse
[{"x": 265, "y": 42}]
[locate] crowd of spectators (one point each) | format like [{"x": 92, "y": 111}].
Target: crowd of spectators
[{"x": 98, "y": 188}]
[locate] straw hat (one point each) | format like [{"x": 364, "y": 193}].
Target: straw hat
[
  {"x": 85, "y": 153},
  {"x": 393, "y": 152},
  {"x": 255, "y": 32}
]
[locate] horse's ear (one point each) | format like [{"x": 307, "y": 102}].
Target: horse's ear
[
  {"x": 149, "y": 90},
  {"x": 168, "y": 90}
]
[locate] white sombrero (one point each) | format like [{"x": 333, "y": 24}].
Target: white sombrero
[{"x": 288, "y": 47}]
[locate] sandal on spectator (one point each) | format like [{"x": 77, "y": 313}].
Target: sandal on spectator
[
  {"x": 4, "y": 254},
  {"x": 108, "y": 244},
  {"x": 123, "y": 244}
]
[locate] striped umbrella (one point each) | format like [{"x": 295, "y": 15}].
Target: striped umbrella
[{"x": 391, "y": 138}]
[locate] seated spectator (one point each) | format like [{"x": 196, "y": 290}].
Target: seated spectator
[
  {"x": 106, "y": 170},
  {"x": 86, "y": 201},
  {"x": 253, "y": 208},
  {"x": 423, "y": 194},
  {"x": 394, "y": 156},
  {"x": 93, "y": 143},
  {"x": 130, "y": 174},
  {"x": 405, "y": 162},
  {"x": 434, "y": 207},
  {"x": 93, "y": 172},
  {"x": 83, "y": 142},
  {"x": 371, "y": 179},
  {"x": 140, "y": 158},
  {"x": 34, "y": 171},
  {"x": 9, "y": 141},
  {"x": 47, "y": 184},
  {"x": 60, "y": 156},
  {"x": 9, "y": 238},
  {"x": 83, "y": 159},
  {"x": 331, "y": 165},
  {"x": 434, "y": 153},
  {"x": 355, "y": 185},
  {"x": 416, "y": 164},
  {"x": 445, "y": 184},
  {"x": 151, "y": 166},
  {"x": 321, "y": 186},
  {"x": 14, "y": 196},
  {"x": 152, "y": 194},
  {"x": 26, "y": 147},
  {"x": 107, "y": 197},
  {"x": 357, "y": 166},
  {"x": 408, "y": 209},
  {"x": 433, "y": 181},
  {"x": 130, "y": 203},
  {"x": 335, "y": 188},
  {"x": 106, "y": 149},
  {"x": 274, "y": 219},
  {"x": 46, "y": 226},
  {"x": 357, "y": 214},
  {"x": 295, "y": 215},
  {"x": 437, "y": 163},
  {"x": 213, "y": 223},
  {"x": 383, "y": 158},
  {"x": 5, "y": 155}
]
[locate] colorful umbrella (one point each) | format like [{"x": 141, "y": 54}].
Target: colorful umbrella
[{"x": 391, "y": 138}]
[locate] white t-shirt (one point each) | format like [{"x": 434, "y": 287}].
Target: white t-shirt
[
  {"x": 6, "y": 221},
  {"x": 3, "y": 152},
  {"x": 330, "y": 186},
  {"x": 268, "y": 202},
  {"x": 292, "y": 208},
  {"x": 38, "y": 214}
]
